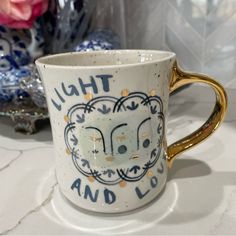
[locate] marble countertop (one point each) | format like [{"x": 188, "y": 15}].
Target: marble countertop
[{"x": 200, "y": 196}]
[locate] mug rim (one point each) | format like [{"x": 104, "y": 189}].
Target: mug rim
[{"x": 44, "y": 60}]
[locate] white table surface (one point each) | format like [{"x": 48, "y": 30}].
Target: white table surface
[{"x": 200, "y": 196}]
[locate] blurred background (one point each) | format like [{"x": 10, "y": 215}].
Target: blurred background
[{"x": 201, "y": 32}]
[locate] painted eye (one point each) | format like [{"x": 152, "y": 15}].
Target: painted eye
[
  {"x": 146, "y": 143},
  {"x": 122, "y": 149}
]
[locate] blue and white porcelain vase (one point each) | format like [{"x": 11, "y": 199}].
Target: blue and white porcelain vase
[
  {"x": 101, "y": 39},
  {"x": 18, "y": 48}
]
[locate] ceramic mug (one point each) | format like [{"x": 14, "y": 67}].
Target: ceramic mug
[{"x": 108, "y": 116}]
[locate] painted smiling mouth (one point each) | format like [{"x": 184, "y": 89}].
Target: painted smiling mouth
[{"x": 110, "y": 158}]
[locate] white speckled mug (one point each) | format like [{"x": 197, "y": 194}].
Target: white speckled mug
[{"x": 108, "y": 116}]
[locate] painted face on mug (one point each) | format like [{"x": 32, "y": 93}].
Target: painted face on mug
[
  {"x": 107, "y": 132},
  {"x": 113, "y": 142}
]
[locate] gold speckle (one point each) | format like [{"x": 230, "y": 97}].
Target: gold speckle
[
  {"x": 88, "y": 96},
  {"x": 68, "y": 151},
  {"x": 134, "y": 157},
  {"x": 121, "y": 138},
  {"x": 122, "y": 184},
  {"x": 144, "y": 135},
  {"x": 95, "y": 139},
  {"x": 125, "y": 92},
  {"x": 110, "y": 158},
  {"x": 91, "y": 179},
  {"x": 149, "y": 173},
  {"x": 153, "y": 92},
  {"x": 66, "y": 118}
]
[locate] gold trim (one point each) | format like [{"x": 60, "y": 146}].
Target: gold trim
[{"x": 181, "y": 78}]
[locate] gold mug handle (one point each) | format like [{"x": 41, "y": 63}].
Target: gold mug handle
[{"x": 180, "y": 78}]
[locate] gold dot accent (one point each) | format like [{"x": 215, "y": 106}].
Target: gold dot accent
[
  {"x": 88, "y": 96},
  {"x": 134, "y": 157},
  {"x": 125, "y": 92},
  {"x": 91, "y": 179},
  {"x": 121, "y": 138},
  {"x": 144, "y": 135},
  {"x": 66, "y": 118},
  {"x": 122, "y": 184},
  {"x": 68, "y": 151},
  {"x": 149, "y": 173},
  {"x": 153, "y": 92}
]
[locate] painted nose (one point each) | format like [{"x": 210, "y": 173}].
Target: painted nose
[{"x": 106, "y": 148}]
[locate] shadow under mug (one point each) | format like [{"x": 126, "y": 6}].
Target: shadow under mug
[{"x": 108, "y": 116}]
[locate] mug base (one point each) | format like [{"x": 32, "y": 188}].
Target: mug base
[{"x": 117, "y": 211}]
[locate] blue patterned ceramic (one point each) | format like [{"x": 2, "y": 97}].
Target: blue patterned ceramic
[
  {"x": 13, "y": 51},
  {"x": 18, "y": 48},
  {"x": 10, "y": 83},
  {"x": 99, "y": 40}
]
